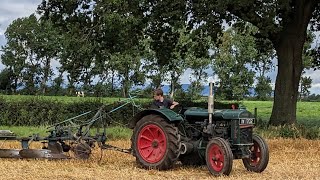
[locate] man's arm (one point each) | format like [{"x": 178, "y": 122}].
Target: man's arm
[{"x": 174, "y": 103}]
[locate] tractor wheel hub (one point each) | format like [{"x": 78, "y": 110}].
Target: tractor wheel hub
[{"x": 155, "y": 144}]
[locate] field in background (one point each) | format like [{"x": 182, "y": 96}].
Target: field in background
[
  {"x": 307, "y": 112},
  {"x": 289, "y": 159},
  {"x": 66, "y": 99}
]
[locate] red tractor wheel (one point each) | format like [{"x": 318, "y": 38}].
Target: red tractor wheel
[
  {"x": 155, "y": 143},
  {"x": 219, "y": 157},
  {"x": 259, "y": 157}
]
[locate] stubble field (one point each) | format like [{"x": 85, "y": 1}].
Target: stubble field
[{"x": 289, "y": 159}]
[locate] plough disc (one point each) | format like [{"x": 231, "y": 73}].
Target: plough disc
[
  {"x": 41, "y": 153},
  {"x": 9, "y": 153}
]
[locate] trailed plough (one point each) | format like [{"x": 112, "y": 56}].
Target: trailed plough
[{"x": 78, "y": 135}]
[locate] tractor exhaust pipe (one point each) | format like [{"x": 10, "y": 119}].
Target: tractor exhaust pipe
[
  {"x": 210, "y": 102},
  {"x": 186, "y": 148}
]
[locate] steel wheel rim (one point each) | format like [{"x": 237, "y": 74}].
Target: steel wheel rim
[
  {"x": 152, "y": 143},
  {"x": 216, "y": 158},
  {"x": 255, "y": 154}
]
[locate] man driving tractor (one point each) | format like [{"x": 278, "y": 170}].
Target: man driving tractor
[{"x": 162, "y": 102}]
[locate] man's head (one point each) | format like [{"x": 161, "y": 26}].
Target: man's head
[{"x": 157, "y": 94}]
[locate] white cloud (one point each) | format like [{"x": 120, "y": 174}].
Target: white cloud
[
  {"x": 13, "y": 9},
  {"x": 315, "y": 75}
]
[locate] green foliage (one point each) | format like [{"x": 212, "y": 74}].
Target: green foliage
[
  {"x": 305, "y": 85},
  {"x": 283, "y": 23},
  {"x": 194, "y": 90},
  {"x": 26, "y": 115},
  {"x": 236, "y": 52},
  {"x": 263, "y": 88},
  {"x": 26, "y": 131},
  {"x": 111, "y": 40},
  {"x": 43, "y": 112},
  {"x": 118, "y": 132},
  {"x": 5, "y": 81},
  {"x": 290, "y": 132}
]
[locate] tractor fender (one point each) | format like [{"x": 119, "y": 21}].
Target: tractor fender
[{"x": 168, "y": 114}]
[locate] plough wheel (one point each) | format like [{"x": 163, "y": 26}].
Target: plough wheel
[{"x": 81, "y": 150}]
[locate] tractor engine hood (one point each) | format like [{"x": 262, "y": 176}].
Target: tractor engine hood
[{"x": 219, "y": 114}]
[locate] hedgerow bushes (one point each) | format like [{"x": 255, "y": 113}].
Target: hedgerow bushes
[
  {"x": 37, "y": 111},
  {"x": 42, "y": 112}
]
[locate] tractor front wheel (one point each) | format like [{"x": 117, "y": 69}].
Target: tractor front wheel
[
  {"x": 219, "y": 157},
  {"x": 155, "y": 143},
  {"x": 259, "y": 157}
]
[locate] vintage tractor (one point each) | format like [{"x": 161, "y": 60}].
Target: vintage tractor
[{"x": 198, "y": 136}]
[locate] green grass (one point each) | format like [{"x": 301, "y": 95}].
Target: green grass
[
  {"x": 67, "y": 99},
  {"x": 26, "y": 131},
  {"x": 308, "y": 113},
  {"x": 308, "y": 117}
]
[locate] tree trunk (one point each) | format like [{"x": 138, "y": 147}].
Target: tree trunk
[
  {"x": 287, "y": 82},
  {"x": 172, "y": 89},
  {"x": 289, "y": 46},
  {"x": 15, "y": 85},
  {"x": 46, "y": 75},
  {"x": 126, "y": 83},
  {"x": 112, "y": 83}
]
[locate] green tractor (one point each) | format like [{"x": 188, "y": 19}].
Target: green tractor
[{"x": 198, "y": 136}]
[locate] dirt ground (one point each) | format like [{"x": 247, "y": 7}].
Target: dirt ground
[{"x": 289, "y": 159}]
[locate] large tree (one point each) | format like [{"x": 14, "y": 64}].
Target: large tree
[
  {"x": 18, "y": 54},
  {"x": 94, "y": 32},
  {"x": 284, "y": 23},
  {"x": 198, "y": 60},
  {"x": 231, "y": 63},
  {"x": 166, "y": 30}
]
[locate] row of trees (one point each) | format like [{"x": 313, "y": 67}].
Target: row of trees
[
  {"x": 82, "y": 55},
  {"x": 34, "y": 45},
  {"x": 126, "y": 42}
]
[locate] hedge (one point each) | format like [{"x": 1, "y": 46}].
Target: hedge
[{"x": 43, "y": 112}]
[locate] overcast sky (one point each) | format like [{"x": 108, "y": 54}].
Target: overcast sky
[{"x": 13, "y": 9}]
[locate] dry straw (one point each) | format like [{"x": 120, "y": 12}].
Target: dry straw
[{"x": 289, "y": 159}]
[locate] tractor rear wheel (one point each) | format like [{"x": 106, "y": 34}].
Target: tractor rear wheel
[
  {"x": 259, "y": 157},
  {"x": 219, "y": 157},
  {"x": 155, "y": 143}
]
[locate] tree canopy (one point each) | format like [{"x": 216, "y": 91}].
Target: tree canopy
[
  {"x": 103, "y": 43},
  {"x": 284, "y": 23}
]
